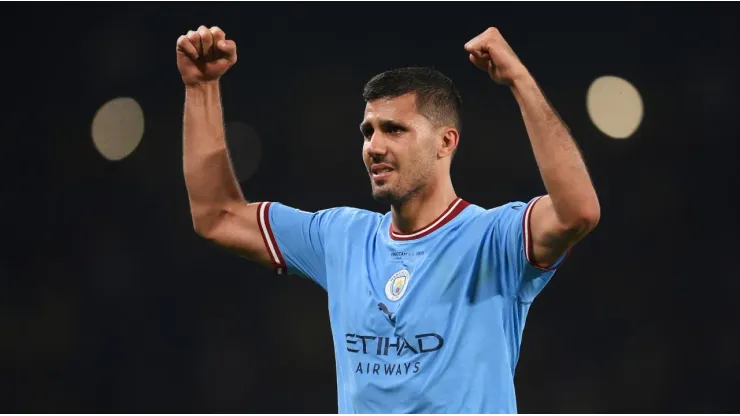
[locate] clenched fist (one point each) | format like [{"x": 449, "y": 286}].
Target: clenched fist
[
  {"x": 204, "y": 55},
  {"x": 490, "y": 52}
]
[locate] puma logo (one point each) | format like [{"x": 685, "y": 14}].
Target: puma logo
[{"x": 385, "y": 310}]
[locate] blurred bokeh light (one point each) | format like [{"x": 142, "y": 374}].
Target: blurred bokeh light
[
  {"x": 615, "y": 106},
  {"x": 118, "y": 127}
]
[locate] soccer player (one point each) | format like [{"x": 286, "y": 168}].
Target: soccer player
[{"x": 427, "y": 302}]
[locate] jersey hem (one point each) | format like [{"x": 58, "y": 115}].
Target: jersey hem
[
  {"x": 263, "y": 219},
  {"x": 528, "y": 243}
]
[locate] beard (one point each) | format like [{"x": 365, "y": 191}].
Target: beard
[
  {"x": 397, "y": 193},
  {"x": 389, "y": 195}
]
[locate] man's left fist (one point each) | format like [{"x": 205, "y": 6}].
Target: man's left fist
[{"x": 490, "y": 52}]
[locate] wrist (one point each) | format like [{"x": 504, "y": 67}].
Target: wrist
[
  {"x": 206, "y": 86},
  {"x": 524, "y": 86},
  {"x": 522, "y": 81}
]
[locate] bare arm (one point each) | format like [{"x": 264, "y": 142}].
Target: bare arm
[
  {"x": 219, "y": 211},
  {"x": 571, "y": 208}
]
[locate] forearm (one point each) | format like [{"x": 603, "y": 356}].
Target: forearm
[
  {"x": 209, "y": 177},
  {"x": 560, "y": 162}
]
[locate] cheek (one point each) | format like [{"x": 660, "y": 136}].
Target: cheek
[{"x": 420, "y": 151}]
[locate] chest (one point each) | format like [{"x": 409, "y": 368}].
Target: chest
[{"x": 403, "y": 291}]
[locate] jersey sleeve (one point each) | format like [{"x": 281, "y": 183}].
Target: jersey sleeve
[
  {"x": 296, "y": 240},
  {"x": 513, "y": 242}
]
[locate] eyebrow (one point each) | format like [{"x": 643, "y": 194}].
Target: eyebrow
[{"x": 384, "y": 124}]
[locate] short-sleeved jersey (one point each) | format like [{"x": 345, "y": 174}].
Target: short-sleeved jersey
[{"x": 426, "y": 322}]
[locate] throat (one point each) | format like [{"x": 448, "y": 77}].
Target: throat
[{"x": 416, "y": 214}]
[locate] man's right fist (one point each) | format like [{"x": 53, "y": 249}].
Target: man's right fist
[{"x": 204, "y": 55}]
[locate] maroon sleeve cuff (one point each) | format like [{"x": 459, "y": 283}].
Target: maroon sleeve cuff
[
  {"x": 529, "y": 245},
  {"x": 263, "y": 219}
]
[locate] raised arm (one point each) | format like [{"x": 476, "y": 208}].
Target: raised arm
[
  {"x": 571, "y": 208},
  {"x": 220, "y": 212}
]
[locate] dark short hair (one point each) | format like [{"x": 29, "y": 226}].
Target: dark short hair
[{"x": 436, "y": 95}]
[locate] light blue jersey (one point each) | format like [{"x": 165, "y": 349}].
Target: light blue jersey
[{"x": 427, "y": 322}]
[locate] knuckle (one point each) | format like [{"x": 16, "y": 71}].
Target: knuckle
[{"x": 183, "y": 43}]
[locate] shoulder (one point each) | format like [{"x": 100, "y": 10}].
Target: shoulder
[
  {"x": 349, "y": 213},
  {"x": 348, "y": 221},
  {"x": 507, "y": 211},
  {"x": 351, "y": 216},
  {"x": 322, "y": 220}
]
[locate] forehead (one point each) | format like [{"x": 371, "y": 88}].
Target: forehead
[{"x": 402, "y": 107}]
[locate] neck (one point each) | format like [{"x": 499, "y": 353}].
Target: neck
[{"x": 423, "y": 207}]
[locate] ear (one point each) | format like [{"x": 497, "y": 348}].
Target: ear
[{"x": 448, "y": 142}]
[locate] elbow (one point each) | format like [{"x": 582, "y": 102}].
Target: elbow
[
  {"x": 200, "y": 227},
  {"x": 204, "y": 223},
  {"x": 582, "y": 221},
  {"x": 591, "y": 218},
  {"x": 209, "y": 219},
  {"x": 588, "y": 217}
]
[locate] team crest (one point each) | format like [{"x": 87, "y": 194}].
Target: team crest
[{"x": 396, "y": 286}]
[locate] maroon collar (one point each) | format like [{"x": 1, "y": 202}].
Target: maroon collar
[{"x": 448, "y": 215}]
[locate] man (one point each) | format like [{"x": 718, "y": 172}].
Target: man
[{"x": 427, "y": 302}]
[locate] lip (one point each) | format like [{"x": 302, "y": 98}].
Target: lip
[{"x": 376, "y": 171}]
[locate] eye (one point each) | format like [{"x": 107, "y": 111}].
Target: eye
[
  {"x": 394, "y": 129},
  {"x": 367, "y": 133}
]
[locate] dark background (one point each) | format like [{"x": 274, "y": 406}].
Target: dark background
[{"x": 110, "y": 302}]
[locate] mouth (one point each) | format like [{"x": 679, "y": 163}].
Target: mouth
[{"x": 380, "y": 171}]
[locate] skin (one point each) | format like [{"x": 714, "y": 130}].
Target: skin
[
  {"x": 571, "y": 209},
  {"x": 418, "y": 149}
]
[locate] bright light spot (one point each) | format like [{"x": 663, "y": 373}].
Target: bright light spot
[
  {"x": 615, "y": 106},
  {"x": 245, "y": 149},
  {"x": 117, "y": 128}
]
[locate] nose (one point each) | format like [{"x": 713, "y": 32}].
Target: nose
[{"x": 376, "y": 146}]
